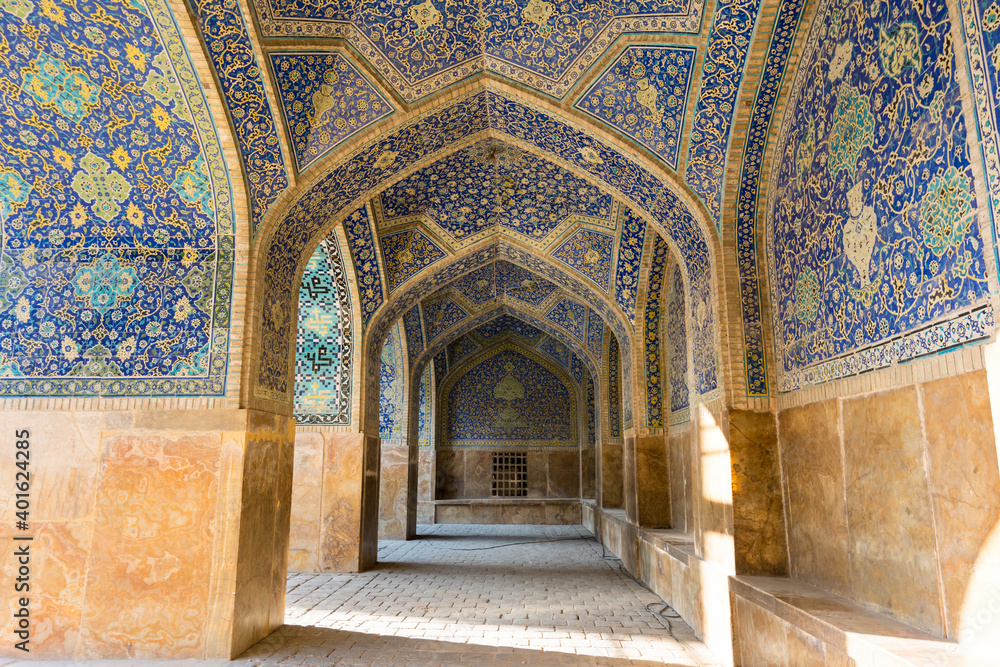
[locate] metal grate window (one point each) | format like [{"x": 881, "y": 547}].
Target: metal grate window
[{"x": 510, "y": 474}]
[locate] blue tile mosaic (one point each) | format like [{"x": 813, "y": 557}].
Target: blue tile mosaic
[
  {"x": 478, "y": 286},
  {"x": 444, "y": 127},
  {"x": 614, "y": 390},
  {"x": 441, "y": 315},
  {"x": 521, "y": 284},
  {"x": 508, "y": 324},
  {"x": 392, "y": 387},
  {"x": 366, "y": 265},
  {"x": 426, "y": 46},
  {"x": 461, "y": 348},
  {"x": 722, "y": 75},
  {"x": 571, "y": 316},
  {"x": 407, "y": 253},
  {"x": 768, "y": 90},
  {"x": 589, "y": 253},
  {"x": 981, "y": 24},
  {"x": 643, "y": 94},
  {"x": 425, "y": 417},
  {"x": 117, "y": 246},
  {"x": 676, "y": 333},
  {"x": 530, "y": 196},
  {"x": 577, "y": 369},
  {"x": 325, "y": 100},
  {"x": 595, "y": 334},
  {"x": 632, "y": 235},
  {"x": 651, "y": 339},
  {"x": 512, "y": 397},
  {"x": 874, "y": 206},
  {"x": 557, "y": 351},
  {"x": 440, "y": 367},
  {"x": 414, "y": 328},
  {"x": 231, "y": 51},
  {"x": 324, "y": 344},
  {"x": 591, "y": 414}
]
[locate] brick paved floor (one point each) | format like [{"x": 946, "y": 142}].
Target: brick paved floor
[
  {"x": 473, "y": 595},
  {"x": 469, "y": 595}
]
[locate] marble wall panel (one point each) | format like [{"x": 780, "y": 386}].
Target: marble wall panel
[
  {"x": 588, "y": 471},
  {"x": 450, "y": 468},
  {"x": 813, "y": 468},
  {"x": 892, "y": 551},
  {"x": 307, "y": 497},
  {"x": 679, "y": 457},
  {"x": 758, "y": 512},
  {"x": 392, "y": 490},
  {"x": 765, "y": 639},
  {"x": 341, "y": 510},
  {"x": 612, "y": 490},
  {"x": 652, "y": 481},
  {"x": 964, "y": 480},
  {"x": 259, "y": 604},
  {"x": 149, "y": 568},
  {"x": 563, "y": 474}
]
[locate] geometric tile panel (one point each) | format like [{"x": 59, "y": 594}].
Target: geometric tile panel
[
  {"x": 109, "y": 146},
  {"x": 441, "y": 315},
  {"x": 768, "y": 90},
  {"x": 230, "y": 47},
  {"x": 571, "y": 316},
  {"x": 405, "y": 254},
  {"x": 589, "y": 253},
  {"x": 722, "y": 72},
  {"x": 359, "y": 238},
  {"x": 323, "y": 353},
  {"x": 874, "y": 210},
  {"x": 631, "y": 237},
  {"x": 325, "y": 100},
  {"x": 426, "y": 46},
  {"x": 426, "y": 418},
  {"x": 644, "y": 95}
]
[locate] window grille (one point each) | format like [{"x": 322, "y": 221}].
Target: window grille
[{"x": 510, "y": 474}]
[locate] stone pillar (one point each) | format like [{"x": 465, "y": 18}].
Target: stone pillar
[
  {"x": 393, "y": 485},
  {"x": 157, "y": 534}
]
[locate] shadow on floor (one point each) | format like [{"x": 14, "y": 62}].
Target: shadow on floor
[{"x": 309, "y": 645}]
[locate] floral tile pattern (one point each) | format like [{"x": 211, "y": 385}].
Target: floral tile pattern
[
  {"x": 414, "y": 329},
  {"x": 676, "y": 333},
  {"x": 441, "y": 315},
  {"x": 392, "y": 387},
  {"x": 595, "y": 334},
  {"x": 229, "y": 45},
  {"x": 406, "y": 254},
  {"x": 571, "y": 316},
  {"x": 651, "y": 339},
  {"x": 631, "y": 237},
  {"x": 110, "y": 286},
  {"x": 875, "y": 212},
  {"x": 589, "y": 253},
  {"x": 366, "y": 264},
  {"x": 644, "y": 95},
  {"x": 325, "y": 100},
  {"x": 420, "y": 47}
]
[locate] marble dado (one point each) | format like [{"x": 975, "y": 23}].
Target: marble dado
[
  {"x": 891, "y": 497},
  {"x": 156, "y": 533}
]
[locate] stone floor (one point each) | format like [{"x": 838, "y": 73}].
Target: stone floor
[
  {"x": 477, "y": 595},
  {"x": 469, "y": 595}
]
